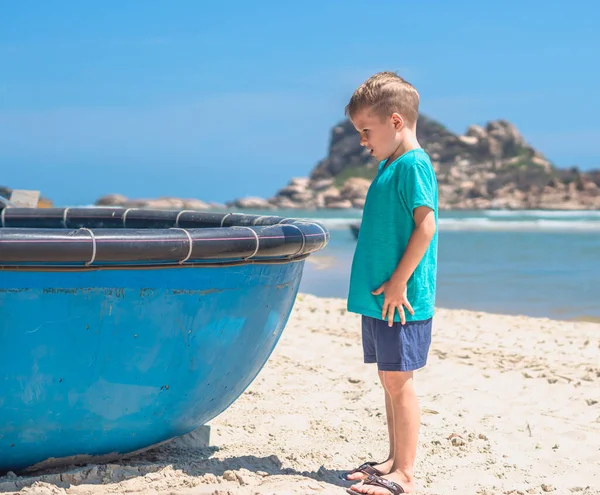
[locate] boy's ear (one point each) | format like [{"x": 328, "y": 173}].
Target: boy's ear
[{"x": 398, "y": 121}]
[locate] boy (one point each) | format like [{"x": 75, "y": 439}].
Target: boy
[{"x": 393, "y": 278}]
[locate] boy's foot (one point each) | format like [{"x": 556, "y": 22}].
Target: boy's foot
[
  {"x": 369, "y": 468},
  {"x": 392, "y": 484}
]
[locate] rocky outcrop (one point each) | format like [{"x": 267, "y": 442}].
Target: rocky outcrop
[
  {"x": 487, "y": 167},
  {"x": 163, "y": 203},
  {"x": 307, "y": 193}
]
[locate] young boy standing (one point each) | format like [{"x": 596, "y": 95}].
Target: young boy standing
[{"x": 393, "y": 278}]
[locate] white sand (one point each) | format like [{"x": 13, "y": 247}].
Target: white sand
[{"x": 522, "y": 394}]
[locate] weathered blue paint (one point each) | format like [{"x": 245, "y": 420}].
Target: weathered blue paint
[{"x": 98, "y": 362}]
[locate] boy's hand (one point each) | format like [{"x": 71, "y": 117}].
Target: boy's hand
[{"x": 395, "y": 298}]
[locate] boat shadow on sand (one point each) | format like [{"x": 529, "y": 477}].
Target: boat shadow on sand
[{"x": 202, "y": 465}]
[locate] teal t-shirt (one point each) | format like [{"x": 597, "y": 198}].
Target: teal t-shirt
[{"x": 387, "y": 224}]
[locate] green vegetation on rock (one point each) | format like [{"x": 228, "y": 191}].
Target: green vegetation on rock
[{"x": 362, "y": 171}]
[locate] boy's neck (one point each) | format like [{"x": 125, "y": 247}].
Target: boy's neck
[{"x": 409, "y": 143}]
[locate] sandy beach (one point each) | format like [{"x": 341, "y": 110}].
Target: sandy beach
[{"x": 510, "y": 405}]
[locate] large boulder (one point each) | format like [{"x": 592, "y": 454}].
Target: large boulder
[
  {"x": 251, "y": 203},
  {"x": 112, "y": 200}
]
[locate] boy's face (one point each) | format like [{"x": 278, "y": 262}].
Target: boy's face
[{"x": 380, "y": 135}]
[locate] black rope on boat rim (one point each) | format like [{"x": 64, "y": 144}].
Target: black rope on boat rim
[{"x": 52, "y": 238}]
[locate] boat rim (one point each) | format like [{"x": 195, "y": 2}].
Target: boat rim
[{"x": 73, "y": 238}]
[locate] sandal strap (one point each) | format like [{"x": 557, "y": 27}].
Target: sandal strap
[
  {"x": 374, "y": 480},
  {"x": 367, "y": 468}
]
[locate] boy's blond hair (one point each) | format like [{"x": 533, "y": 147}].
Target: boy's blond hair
[{"x": 386, "y": 93}]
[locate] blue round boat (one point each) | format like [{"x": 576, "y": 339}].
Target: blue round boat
[{"x": 124, "y": 328}]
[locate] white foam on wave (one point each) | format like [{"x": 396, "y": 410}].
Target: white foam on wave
[
  {"x": 543, "y": 213},
  {"x": 336, "y": 223},
  {"x": 487, "y": 224}
]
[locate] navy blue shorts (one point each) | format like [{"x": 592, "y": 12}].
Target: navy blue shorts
[{"x": 396, "y": 348}]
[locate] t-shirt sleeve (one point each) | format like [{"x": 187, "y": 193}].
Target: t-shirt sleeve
[{"x": 418, "y": 186}]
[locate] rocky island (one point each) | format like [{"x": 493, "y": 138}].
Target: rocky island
[{"x": 490, "y": 167}]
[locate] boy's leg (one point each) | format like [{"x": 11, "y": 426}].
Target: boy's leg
[
  {"x": 404, "y": 403},
  {"x": 400, "y": 351},
  {"x": 386, "y": 466},
  {"x": 389, "y": 414},
  {"x": 405, "y": 410}
]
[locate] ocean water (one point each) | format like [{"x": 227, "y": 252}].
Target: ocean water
[{"x": 537, "y": 263}]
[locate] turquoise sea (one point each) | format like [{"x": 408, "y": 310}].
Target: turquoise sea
[{"x": 539, "y": 263}]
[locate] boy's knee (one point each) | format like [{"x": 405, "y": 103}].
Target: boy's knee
[{"x": 397, "y": 382}]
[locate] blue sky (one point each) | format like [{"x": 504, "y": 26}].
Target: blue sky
[{"x": 217, "y": 100}]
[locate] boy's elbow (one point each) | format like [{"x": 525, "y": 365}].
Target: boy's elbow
[
  {"x": 425, "y": 221},
  {"x": 428, "y": 226}
]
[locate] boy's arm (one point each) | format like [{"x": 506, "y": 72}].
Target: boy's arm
[
  {"x": 395, "y": 288},
  {"x": 417, "y": 244}
]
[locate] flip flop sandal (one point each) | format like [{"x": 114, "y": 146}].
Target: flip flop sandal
[
  {"x": 394, "y": 488},
  {"x": 366, "y": 468}
]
